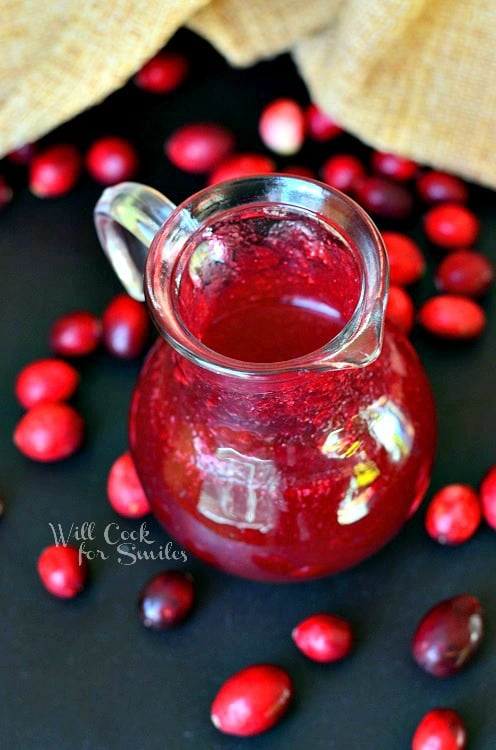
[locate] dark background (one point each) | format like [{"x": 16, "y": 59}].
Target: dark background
[{"x": 85, "y": 674}]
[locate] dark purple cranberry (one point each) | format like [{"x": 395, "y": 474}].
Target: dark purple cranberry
[
  {"x": 465, "y": 272},
  {"x": 166, "y": 600},
  {"x": 449, "y": 635},
  {"x": 440, "y": 187},
  {"x": 23, "y": 155},
  {"x": 384, "y": 198},
  {"x": 5, "y": 192}
]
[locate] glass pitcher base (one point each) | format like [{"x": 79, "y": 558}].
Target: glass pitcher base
[{"x": 271, "y": 502}]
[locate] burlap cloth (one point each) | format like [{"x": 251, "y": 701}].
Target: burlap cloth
[{"x": 412, "y": 76}]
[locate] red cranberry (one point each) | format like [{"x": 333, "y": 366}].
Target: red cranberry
[
  {"x": 439, "y": 187},
  {"x": 23, "y": 155},
  {"x": 406, "y": 261},
  {"x": 49, "y": 432},
  {"x": 75, "y": 334},
  {"x": 465, "y": 272},
  {"x": 54, "y": 171},
  {"x": 282, "y": 126},
  {"x": 384, "y": 198},
  {"x": 440, "y": 729},
  {"x": 299, "y": 170},
  {"x": 449, "y": 635},
  {"x": 199, "y": 147},
  {"x": 342, "y": 172},
  {"x": 400, "y": 309},
  {"x": 453, "y": 515},
  {"x": 112, "y": 159},
  {"x": 62, "y": 570},
  {"x": 124, "y": 490},
  {"x": 163, "y": 73},
  {"x": 241, "y": 165},
  {"x": 393, "y": 166},
  {"x": 166, "y": 600},
  {"x": 125, "y": 327},
  {"x": 324, "y": 638},
  {"x": 451, "y": 225},
  {"x": 452, "y": 317},
  {"x": 5, "y": 192},
  {"x": 488, "y": 497},
  {"x": 252, "y": 700},
  {"x": 45, "y": 381},
  {"x": 319, "y": 125}
]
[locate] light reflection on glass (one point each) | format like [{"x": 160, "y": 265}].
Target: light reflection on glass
[
  {"x": 206, "y": 253},
  {"x": 241, "y": 490},
  {"x": 340, "y": 445},
  {"x": 389, "y": 426},
  {"x": 391, "y": 429}
]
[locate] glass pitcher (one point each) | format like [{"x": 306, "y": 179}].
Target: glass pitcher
[{"x": 281, "y": 431}]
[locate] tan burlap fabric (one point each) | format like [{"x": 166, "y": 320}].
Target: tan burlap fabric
[{"x": 412, "y": 76}]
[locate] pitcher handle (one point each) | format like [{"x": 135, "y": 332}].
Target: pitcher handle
[{"x": 127, "y": 218}]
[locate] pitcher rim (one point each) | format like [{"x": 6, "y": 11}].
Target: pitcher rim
[{"x": 357, "y": 344}]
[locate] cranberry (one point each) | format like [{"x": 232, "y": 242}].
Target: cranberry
[
  {"x": 241, "y": 165},
  {"x": 440, "y": 729},
  {"x": 23, "y": 155},
  {"x": 342, "y": 172},
  {"x": 406, "y": 261},
  {"x": 452, "y": 317},
  {"x": 163, "y": 73},
  {"x": 2, "y": 507},
  {"x": 282, "y": 126},
  {"x": 439, "y": 187},
  {"x": 324, "y": 638},
  {"x": 400, "y": 309},
  {"x": 166, "y": 600},
  {"x": 393, "y": 166},
  {"x": 124, "y": 490},
  {"x": 488, "y": 497},
  {"x": 450, "y": 225},
  {"x": 49, "y": 432},
  {"x": 299, "y": 170},
  {"x": 448, "y": 636},
  {"x": 45, "y": 381},
  {"x": 62, "y": 571},
  {"x": 75, "y": 334},
  {"x": 454, "y": 514},
  {"x": 54, "y": 171},
  {"x": 199, "y": 147},
  {"x": 319, "y": 125},
  {"x": 252, "y": 700},
  {"x": 384, "y": 198},
  {"x": 465, "y": 272},
  {"x": 111, "y": 159},
  {"x": 125, "y": 327},
  {"x": 5, "y": 192}
]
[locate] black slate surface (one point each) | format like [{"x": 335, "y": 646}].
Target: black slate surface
[{"x": 84, "y": 674}]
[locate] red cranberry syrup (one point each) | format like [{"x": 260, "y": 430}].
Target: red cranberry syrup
[{"x": 286, "y": 476}]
